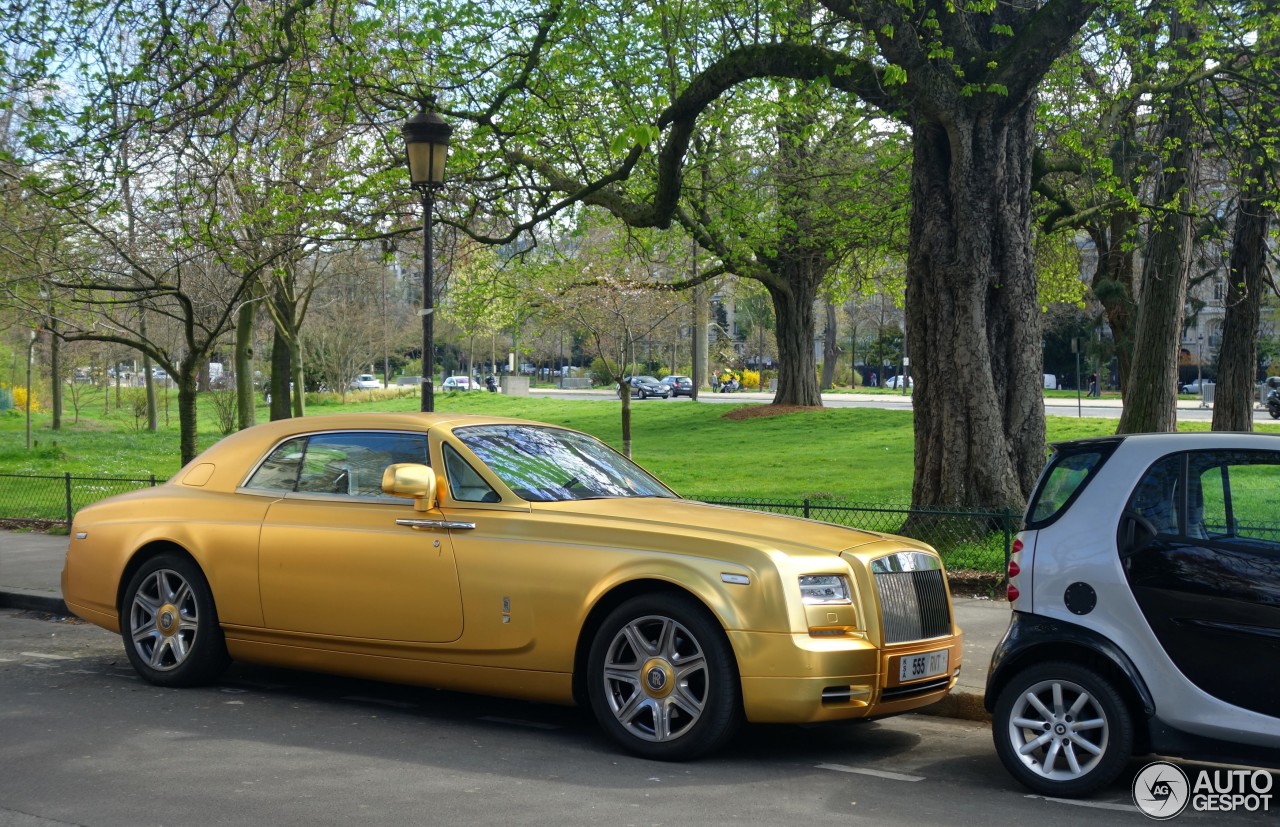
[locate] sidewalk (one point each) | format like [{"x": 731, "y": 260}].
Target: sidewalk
[{"x": 31, "y": 572}]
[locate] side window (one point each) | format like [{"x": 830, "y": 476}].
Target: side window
[
  {"x": 279, "y": 471},
  {"x": 1241, "y": 494},
  {"x": 464, "y": 483},
  {"x": 349, "y": 463},
  {"x": 1061, "y": 482}
]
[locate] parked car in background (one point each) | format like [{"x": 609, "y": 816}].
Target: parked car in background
[
  {"x": 457, "y": 383},
  {"x": 381, "y": 546},
  {"x": 642, "y": 387},
  {"x": 1145, "y": 590},
  {"x": 896, "y": 382},
  {"x": 678, "y": 385},
  {"x": 365, "y": 382},
  {"x": 1191, "y": 387}
]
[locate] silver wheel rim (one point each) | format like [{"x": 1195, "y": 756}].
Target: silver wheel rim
[
  {"x": 164, "y": 619},
  {"x": 1058, "y": 730},
  {"x": 656, "y": 678}
]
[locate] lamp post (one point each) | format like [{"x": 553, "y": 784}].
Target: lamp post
[
  {"x": 1200, "y": 369},
  {"x": 426, "y": 143}
]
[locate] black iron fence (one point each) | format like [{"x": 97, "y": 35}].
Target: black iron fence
[
  {"x": 46, "y": 501},
  {"x": 977, "y": 540}
]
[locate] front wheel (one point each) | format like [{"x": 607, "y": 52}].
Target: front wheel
[
  {"x": 1062, "y": 729},
  {"x": 169, "y": 624},
  {"x": 662, "y": 679},
  {"x": 1274, "y": 410}
]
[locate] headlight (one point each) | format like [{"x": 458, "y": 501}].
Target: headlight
[{"x": 824, "y": 588}]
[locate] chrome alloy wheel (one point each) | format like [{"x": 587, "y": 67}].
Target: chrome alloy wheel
[
  {"x": 164, "y": 619},
  {"x": 656, "y": 678},
  {"x": 1058, "y": 730}
]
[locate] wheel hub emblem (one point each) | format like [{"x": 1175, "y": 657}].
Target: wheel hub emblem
[
  {"x": 1060, "y": 729},
  {"x": 657, "y": 679},
  {"x": 166, "y": 620}
]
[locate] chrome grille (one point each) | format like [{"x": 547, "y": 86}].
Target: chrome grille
[{"x": 913, "y": 597}]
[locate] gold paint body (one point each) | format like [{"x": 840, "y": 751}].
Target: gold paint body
[{"x": 333, "y": 584}]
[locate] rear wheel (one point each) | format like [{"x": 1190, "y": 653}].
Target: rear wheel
[
  {"x": 169, "y": 624},
  {"x": 662, "y": 680},
  {"x": 1062, "y": 729}
]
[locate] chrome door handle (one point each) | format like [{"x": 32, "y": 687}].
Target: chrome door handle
[{"x": 449, "y": 524}]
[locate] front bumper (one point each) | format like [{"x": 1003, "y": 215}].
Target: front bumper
[{"x": 802, "y": 679}]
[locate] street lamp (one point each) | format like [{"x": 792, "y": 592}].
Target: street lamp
[
  {"x": 1200, "y": 369},
  {"x": 426, "y": 143}
]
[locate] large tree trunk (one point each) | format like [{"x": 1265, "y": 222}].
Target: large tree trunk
[
  {"x": 187, "y": 426},
  {"x": 280, "y": 407},
  {"x": 830, "y": 348},
  {"x": 973, "y": 318},
  {"x": 1151, "y": 405},
  {"x": 793, "y": 297},
  {"x": 1238, "y": 358}
]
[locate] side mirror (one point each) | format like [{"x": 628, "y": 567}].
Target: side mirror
[{"x": 413, "y": 481}]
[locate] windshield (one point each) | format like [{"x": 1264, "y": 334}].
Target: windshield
[{"x": 544, "y": 464}]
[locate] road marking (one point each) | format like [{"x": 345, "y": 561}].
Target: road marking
[
  {"x": 892, "y": 776},
  {"x": 44, "y": 656},
  {"x": 494, "y": 719},
  {"x": 1097, "y": 805}
]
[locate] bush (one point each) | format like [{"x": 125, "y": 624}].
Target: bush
[{"x": 603, "y": 371}]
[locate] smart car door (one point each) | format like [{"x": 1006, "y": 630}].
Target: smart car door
[{"x": 1207, "y": 574}]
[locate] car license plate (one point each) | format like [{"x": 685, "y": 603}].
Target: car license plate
[{"x": 924, "y": 665}]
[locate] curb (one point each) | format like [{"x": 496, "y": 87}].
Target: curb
[
  {"x": 33, "y": 601},
  {"x": 962, "y": 704}
]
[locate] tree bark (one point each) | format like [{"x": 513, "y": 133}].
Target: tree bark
[
  {"x": 245, "y": 408},
  {"x": 1151, "y": 405},
  {"x": 793, "y": 309},
  {"x": 280, "y": 406},
  {"x": 1238, "y": 358},
  {"x": 973, "y": 318},
  {"x": 187, "y": 410},
  {"x": 830, "y": 348}
]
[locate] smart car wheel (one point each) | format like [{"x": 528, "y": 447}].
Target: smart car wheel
[
  {"x": 169, "y": 624},
  {"x": 662, "y": 680},
  {"x": 1062, "y": 729}
]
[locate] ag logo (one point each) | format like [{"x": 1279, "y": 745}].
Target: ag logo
[{"x": 1161, "y": 790}]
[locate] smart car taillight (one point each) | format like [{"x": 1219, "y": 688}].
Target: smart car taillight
[{"x": 1011, "y": 591}]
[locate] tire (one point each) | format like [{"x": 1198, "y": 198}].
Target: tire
[
  {"x": 1085, "y": 726},
  {"x": 662, "y": 680},
  {"x": 169, "y": 624},
  {"x": 1274, "y": 410}
]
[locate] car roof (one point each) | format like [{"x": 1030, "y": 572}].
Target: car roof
[{"x": 231, "y": 457}]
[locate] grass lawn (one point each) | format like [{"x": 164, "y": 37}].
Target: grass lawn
[{"x": 855, "y": 454}]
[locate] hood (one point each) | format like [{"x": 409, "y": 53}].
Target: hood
[{"x": 688, "y": 517}]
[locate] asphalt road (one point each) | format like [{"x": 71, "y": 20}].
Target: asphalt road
[{"x": 84, "y": 741}]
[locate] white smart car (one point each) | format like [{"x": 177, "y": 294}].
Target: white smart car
[{"x": 1145, "y": 590}]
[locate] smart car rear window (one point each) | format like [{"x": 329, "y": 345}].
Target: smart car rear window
[{"x": 1068, "y": 473}]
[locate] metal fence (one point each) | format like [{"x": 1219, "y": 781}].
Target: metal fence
[
  {"x": 46, "y": 501},
  {"x": 977, "y": 540}
]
